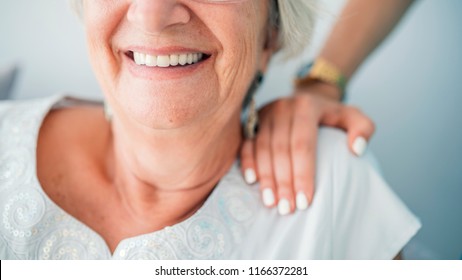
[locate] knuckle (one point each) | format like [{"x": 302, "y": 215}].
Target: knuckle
[
  {"x": 265, "y": 179},
  {"x": 303, "y": 180},
  {"x": 284, "y": 186},
  {"x": 304, "y": 97},
  {"x": 280, "y": 147},
  {"x": 303, "y": 111},
  {"x": 244, "y": 157},
  {"x": 303, "y": 101},
  {"x": 281, "y": 106},
  {"x": 247, "y": 160},
  {"x": 301, "y": 145},
  {"x": 246, "y": 147}
]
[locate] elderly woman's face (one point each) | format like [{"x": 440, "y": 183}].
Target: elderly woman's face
[{"x": 168, "y": 63}]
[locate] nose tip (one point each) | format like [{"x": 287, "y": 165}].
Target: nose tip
[{"x": 153, "y": 16}]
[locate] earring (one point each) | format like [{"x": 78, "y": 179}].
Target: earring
[
  {"x": 250, "y": 126},
  {"x": 107, "y": 112},
  {"x": 249, "y": 116}
]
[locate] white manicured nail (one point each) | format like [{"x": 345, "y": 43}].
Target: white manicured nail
[
  {"x": 250, "y": 176},
  {"x": 301, "y": 201},
  {"x": 268, "y": 197},
  {"x": 284, "y": 207},
  {"x": 359, "y": 146}
]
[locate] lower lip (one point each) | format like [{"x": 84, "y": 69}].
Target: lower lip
[{"x": 162, "y": 73}]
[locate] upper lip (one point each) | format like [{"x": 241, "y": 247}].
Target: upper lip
[{"x": 165, "y": 50}]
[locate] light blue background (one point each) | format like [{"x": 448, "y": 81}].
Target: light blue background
[{"x": 411, "y": 87}]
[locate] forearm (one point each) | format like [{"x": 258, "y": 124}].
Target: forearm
[{"x": 362, "y": 26}]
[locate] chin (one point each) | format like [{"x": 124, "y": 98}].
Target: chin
[
  {"x": 166, "y": 104},
  {"x": 161, "y": 111}
]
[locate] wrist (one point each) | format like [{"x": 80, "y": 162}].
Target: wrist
[
  {"x": 323, "y": 75},
  {"x": 322, "y": 89}
]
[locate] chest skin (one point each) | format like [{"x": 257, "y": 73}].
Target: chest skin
[{"x": 71, "y": 157}]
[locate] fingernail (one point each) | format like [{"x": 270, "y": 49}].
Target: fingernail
[
  {"x": 301, "y": 201},
  {"x": 359, "y": 146},
  {"x": 284, "y": 207},
  {"x": 250, "y": 176},
  {"x": 268, "y": 197}
]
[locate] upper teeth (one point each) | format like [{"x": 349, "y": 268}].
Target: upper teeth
[{"x": 166, "y": 60}]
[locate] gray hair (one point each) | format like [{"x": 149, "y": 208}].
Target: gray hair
[
  {"x": 294, "y": 20},
  {"x": 295, "y": 25}
]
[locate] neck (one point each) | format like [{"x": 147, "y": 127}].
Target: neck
[{"x": 165, "y": 175}]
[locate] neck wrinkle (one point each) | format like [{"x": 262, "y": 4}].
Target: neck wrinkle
[{"x": 166, "y": 177}]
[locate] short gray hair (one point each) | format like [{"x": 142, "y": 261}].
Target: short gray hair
[{"x": 294, "y": 20}]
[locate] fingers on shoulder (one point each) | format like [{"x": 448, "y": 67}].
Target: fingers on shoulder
[
  {"x": 359, "y": 127},
  {"x": 357, "y": 121}
]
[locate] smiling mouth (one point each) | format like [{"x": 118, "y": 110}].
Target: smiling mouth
[{"x": 164, "y": 61}]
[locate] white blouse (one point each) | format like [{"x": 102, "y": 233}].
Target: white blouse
[{"x": 354, "y": 215}]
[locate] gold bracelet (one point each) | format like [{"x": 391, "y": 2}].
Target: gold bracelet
[{"x": 322, "y": 71}]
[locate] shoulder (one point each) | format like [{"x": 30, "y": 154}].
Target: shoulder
[
  {"x": 20, "y": 203},
  {"x": 33, "y": 224},
  {"x": 354, "y": 214},
  {"x": 19, "y": 123},
  {"x": 338, "y": 165},
  {"x": 69, "y": 129},
  {"x": 333, "y": 148},
  {"x": 34, "y": 103},
  {"x": 18, "y": 117},
  {"x": 369, "y": 221}
]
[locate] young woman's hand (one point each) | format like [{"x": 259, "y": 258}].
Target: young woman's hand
[{"x": 282, "y": 156}]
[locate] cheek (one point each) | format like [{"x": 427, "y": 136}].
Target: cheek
[
  {"x": 242, "y": 44},
  {"x": 100, "y": 25}
]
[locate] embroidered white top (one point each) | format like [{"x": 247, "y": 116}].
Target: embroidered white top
[{"x": 354, "y": 215}]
